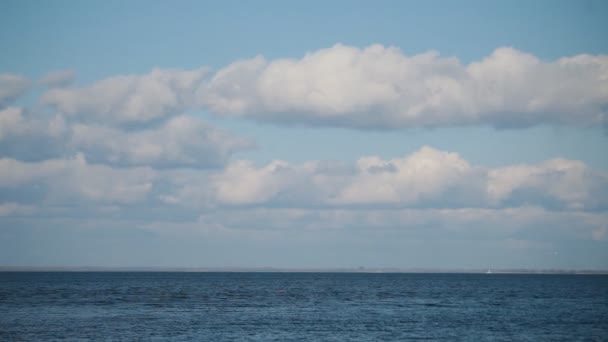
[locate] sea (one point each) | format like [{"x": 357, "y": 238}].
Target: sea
[{"x": 282, "y": 306}]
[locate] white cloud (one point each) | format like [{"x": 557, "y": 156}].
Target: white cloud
[
  {"x": 431, "y": 194},
  {"x": 11, "y": 87},
  {"x": 425, "y": 174},
  {"x": 14, "y": 122},
  {"x": 242, "y": 182},
  {"x": 180, "y": 141},
  {"x": 428, "y": 178},
  {"x": 61, "y": 78},
  {"x": 569, "y": 181},
  {"x": 307, "y": 184},
  {"x": 380, "y": 87},
  {"x": 10, "y": 121},
  {"x": 129, "y": 99},
  {"x": 365, "y": 88},
  {"x": 29, "y": 137},
  {"x": 75, "y": 180}
]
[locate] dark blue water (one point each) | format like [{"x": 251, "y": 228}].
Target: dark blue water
[{"x": 302, "y": 307}]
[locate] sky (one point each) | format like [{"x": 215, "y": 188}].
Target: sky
[{"x": 410, "y": 134}]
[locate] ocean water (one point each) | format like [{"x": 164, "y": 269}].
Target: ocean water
[{"x": 51, "y": 306}]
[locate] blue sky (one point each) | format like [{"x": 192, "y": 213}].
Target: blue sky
[{"x": 439, "y": 134}]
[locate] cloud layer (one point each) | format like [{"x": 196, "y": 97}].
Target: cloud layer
[
  {"x": 380, "y": 87},
  {"x": 375, "y": 87},
  {"x": 429, "y": 195},
  {"x": 129, "y": 99},
  {"x": 129, "y": 150},
  {"x": 179, "y": 141},
  {"x": 427, "y": 178}
]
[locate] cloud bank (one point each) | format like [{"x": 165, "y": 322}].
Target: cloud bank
[
  {"x": 429, "y": 194},
  {"x": 379, "y": 87},
  {"x": 374, "y": 87},
  {"x": 427, "y": 178},
  {"x": 129, "y": 99},
  {"x": 129, "y": 150},
  {"x": 179, "y": 141}
]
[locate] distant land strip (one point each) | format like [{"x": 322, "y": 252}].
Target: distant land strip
[{"x": 289, "y": 270}]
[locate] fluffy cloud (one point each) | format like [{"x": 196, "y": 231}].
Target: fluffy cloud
[
  {"x": 11, "y": 87},
  {"x": 129, "y": 99},
  {"x": 180, "y": 141},
  {"x": 425, "y": 175},
  {"x": 132, "y": 120},
  {"x": 74, "y": 180},
  {"x": 242, "y": 183},
  {"x": 569, "y": 182},
  {"x": 428, "y": 178},
  {"x": 13, "y": 122},
  {"x": 365, "y": 88},
  {"x": 429, "y": 195},
  {"x": 380, "y": 87},
  {"x": 30, "y": 137}
]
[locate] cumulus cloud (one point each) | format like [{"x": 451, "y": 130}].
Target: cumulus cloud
[
  {"x": 179, "y": 141},
  {"x": 129, "y": 99},
  {"x": 374, "y": 87},
  {"x": 16, "y": 121},
  {"x": 568, "y": 181},
  {"x": 61, "y": 78},
  {"x": 30, "y": 137},
  {"x": 74, "y": 180},
  {"x": 11, "y": 87},
  {"x": 380, "y": 87},
  {"x": 242, "y": 183},
  {"x": 422, "y": 176},
  {"x": 427, "y": 178},
  {"x": 427, "y": 193}
]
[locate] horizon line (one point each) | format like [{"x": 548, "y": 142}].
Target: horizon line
[{"x": 271, "y": 269}]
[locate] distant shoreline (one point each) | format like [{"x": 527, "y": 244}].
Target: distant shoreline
[{"x": 289, "y": 270}]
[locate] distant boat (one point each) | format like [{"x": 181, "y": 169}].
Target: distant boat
[{"x": 489, "y": 271}]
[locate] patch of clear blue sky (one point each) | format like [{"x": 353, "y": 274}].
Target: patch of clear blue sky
[{"x": 104, "y": 38}]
